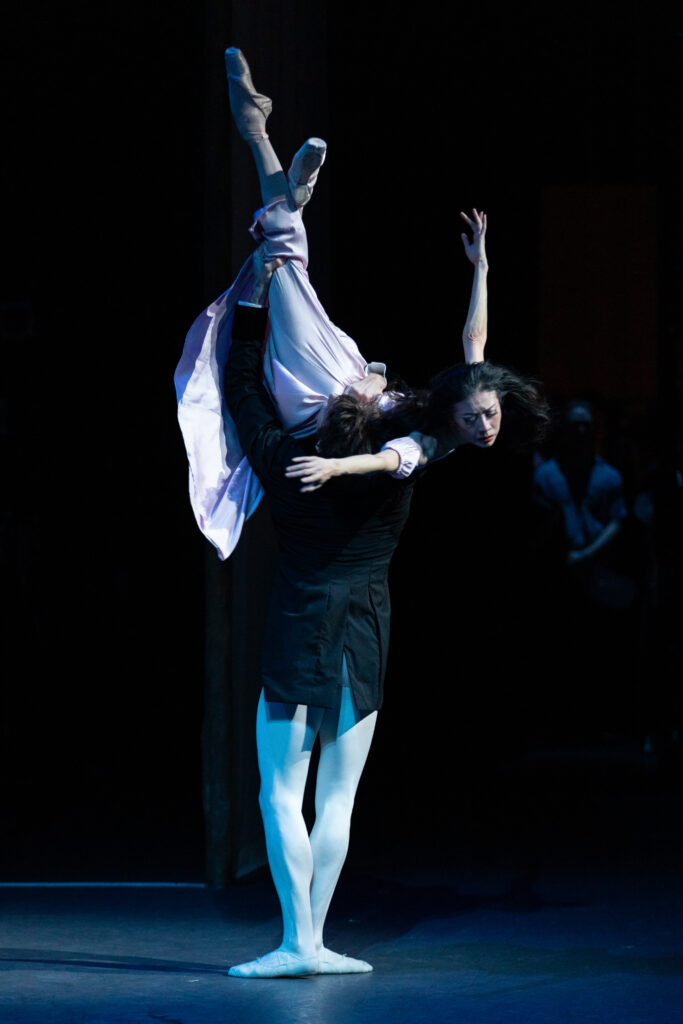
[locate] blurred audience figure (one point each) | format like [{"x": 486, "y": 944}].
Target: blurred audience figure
[
  {"x": 588, "y": 492},
  {"x": 596, "y": 592}
]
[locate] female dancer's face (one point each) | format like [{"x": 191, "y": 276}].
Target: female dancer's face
[{"x": 478, "y": 418}]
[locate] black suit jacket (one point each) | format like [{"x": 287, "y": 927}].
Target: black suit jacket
[{"x": 330, "y": 595}]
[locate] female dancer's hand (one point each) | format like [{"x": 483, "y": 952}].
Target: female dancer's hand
[
  {"x": 367, "y": 388},
  {"x": 476, "y": 249},
  {"x": 315, "y": 471},
  {"x": 312, "y": 470}
]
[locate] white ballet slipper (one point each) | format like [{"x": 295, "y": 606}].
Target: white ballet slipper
[
  {"x": 250, "y": 109},
  {"x": 278, "y": 964},
  {"x": 303, "y": 173},
  {"x": 330, "y": 962}
]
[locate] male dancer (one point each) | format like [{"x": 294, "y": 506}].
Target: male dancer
[{"x": 324, "y": 654}]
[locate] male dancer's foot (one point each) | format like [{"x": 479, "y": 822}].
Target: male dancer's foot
[
  {"x": 278, "y": 964},
  {"x": 281, "y": 964},
  {"x": 303, "y": 173},
  {"x": 330, "y": 962},
  {"x": 250, "y": 109}
]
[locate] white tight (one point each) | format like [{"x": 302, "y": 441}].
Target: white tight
[
  {"x": 305, "y": 868},
  {"x": 272, "y": 178}
]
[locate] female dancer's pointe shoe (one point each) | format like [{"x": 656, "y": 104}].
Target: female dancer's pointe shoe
[
  {"x": 330, "y": 962},
  {"x": 277, "y": 964},
  {"x": 249, "y": 108},
  {"x": 303, "y": 173}
]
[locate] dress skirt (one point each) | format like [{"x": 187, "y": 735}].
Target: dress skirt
[{"x": 306, "y": 359}]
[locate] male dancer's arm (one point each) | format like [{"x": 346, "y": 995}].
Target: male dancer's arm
[
  {"x": 258, "y": 426},
  {"x": 266, "y": 444}
]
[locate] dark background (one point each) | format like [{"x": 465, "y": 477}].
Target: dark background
[{"x": 563, "y": 123}]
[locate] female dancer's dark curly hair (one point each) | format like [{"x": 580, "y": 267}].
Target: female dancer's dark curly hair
[{"x": 352, "y": 427}]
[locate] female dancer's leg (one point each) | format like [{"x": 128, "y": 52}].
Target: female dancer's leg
[
  {"x": 306, "y": 360},
  {"x": 307, "y": 357},
  {"x": 250, "y": 111}
]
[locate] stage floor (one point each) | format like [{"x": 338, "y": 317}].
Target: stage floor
[{"x": 474, "y": 945}]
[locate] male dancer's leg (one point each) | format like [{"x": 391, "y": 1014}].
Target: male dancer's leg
[
  {"x": 345, "y": 738},
  {"x": 285, "y": 734}
]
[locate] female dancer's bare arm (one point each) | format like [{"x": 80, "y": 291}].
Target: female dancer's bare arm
[
  {"x": 474, "y": 332},
  {"x": 314, "y": 471}
]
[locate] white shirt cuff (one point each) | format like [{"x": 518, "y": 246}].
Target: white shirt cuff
[
  {"x": 380, "y": 368},
  {"x": 409, "y": 453}
]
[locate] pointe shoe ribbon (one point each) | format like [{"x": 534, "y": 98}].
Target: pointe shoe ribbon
[
  {"x": 250, "y": 109},
  {"x": 303, "y": 173}
]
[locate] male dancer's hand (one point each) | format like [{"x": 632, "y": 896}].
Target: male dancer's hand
[{"x": 263, "y": 271}]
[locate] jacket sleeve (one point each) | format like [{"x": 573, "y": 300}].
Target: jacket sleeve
[{"x": 261, "y": 435}]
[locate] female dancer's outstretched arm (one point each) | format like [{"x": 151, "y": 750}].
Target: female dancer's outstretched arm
[
  {"x": 314, "y": 471},
  {"x": 475, "y": 330}
]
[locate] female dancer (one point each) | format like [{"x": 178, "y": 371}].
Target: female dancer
[{"x": 308, "y": 358}]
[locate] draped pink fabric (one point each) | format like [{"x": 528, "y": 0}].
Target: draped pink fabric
[{"x": 306, "y": 359}]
